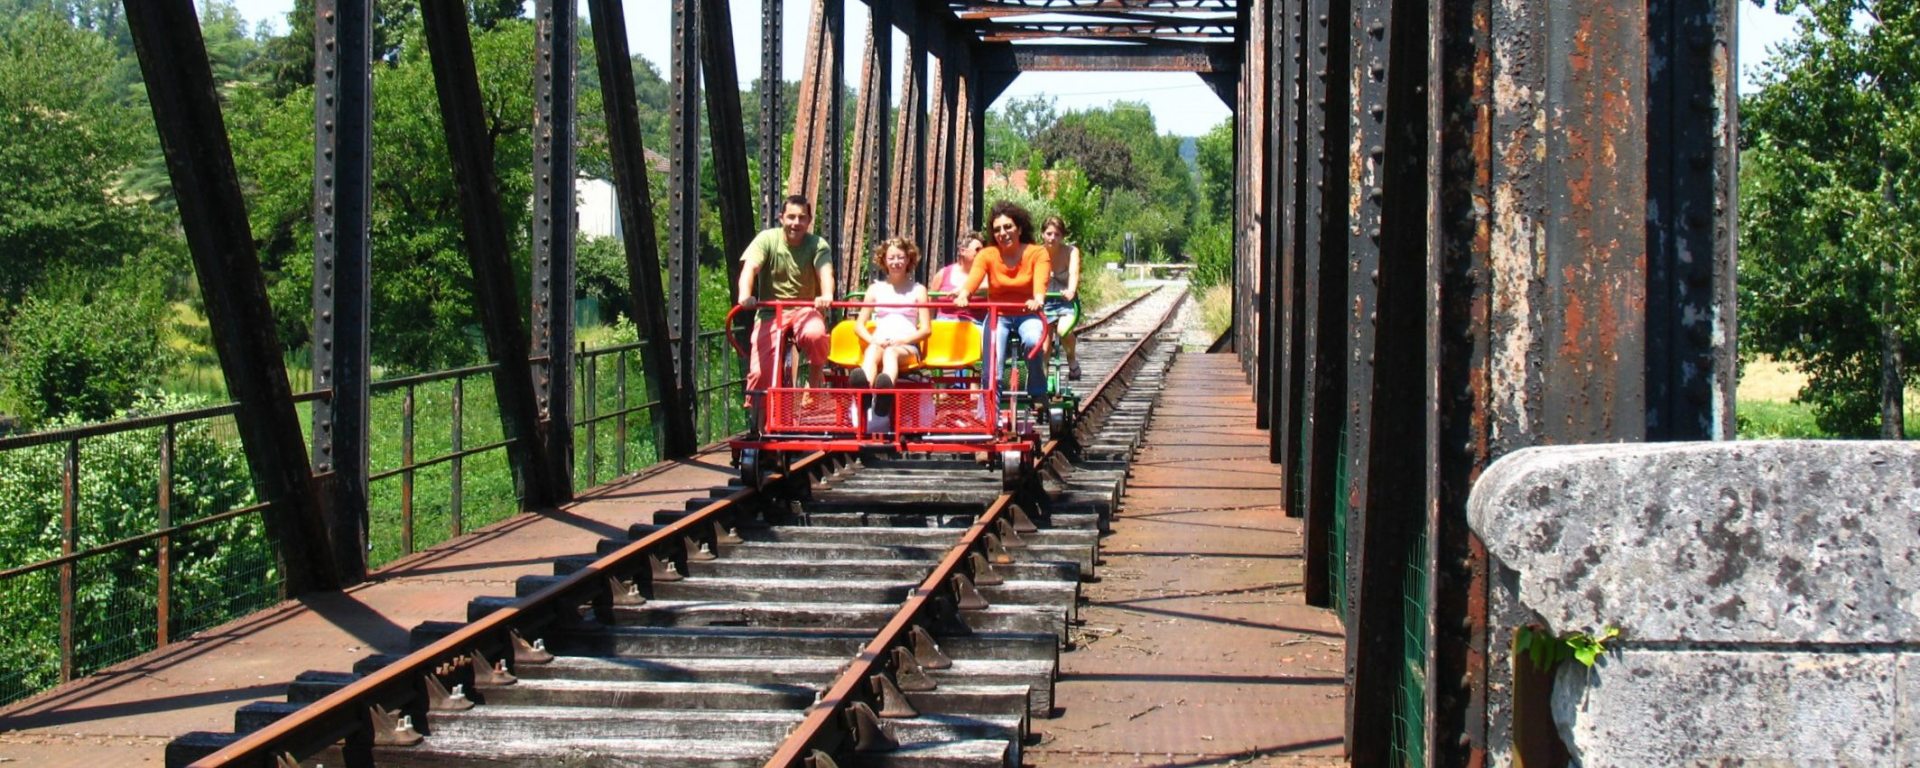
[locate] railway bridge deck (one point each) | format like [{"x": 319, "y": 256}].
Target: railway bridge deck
[{"x": 1194, "y": 646}]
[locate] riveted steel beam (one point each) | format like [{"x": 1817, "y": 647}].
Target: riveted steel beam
[
  {"x": 1326, "y": 289},
  {"x": 556, "y": 50},
  {"x": 861, "y": 221},
  {"x": 969, "y": 149},
  {"x": 1184, "y": 16},
  {"x": 683, "y": 201},
  {"x": 1196, "y": 34},
  {"x": 772, "y": 84},
  {"x": 1461, "y": 577},
  {"x": 471, "y": 146},
  {"x": 637, "y": 225},
  {"x": 834, "y": 168},
  {"x": 909, "y": 141},
  {"x": 805, "y": 171},
  {"x": 342, "y": 257},
  {"x": 979, "y": 10},
  {"x": 1201, "y": 58},
  {"x": 1259, "y": 254},
  {"x": 1399, "y": 176},
  {"x": 213, "y": 215},
  {"x": 940, "y": 187},
  {"x": 1691, "y": 223},
  {"x": 727, "y": 133}
]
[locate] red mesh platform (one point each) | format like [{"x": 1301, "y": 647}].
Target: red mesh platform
[
  {"x": 812, "y": 410},
  {"x": 944, "y": 410}
]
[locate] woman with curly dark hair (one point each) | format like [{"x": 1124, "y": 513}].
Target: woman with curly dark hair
[{"x": 1015, "y": 270}]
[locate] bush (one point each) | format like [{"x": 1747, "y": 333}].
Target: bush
[
  {"x": 82, "y": 353},
  {"x": 219, "y": 571},
  {"x": 1212, "y": 249}
]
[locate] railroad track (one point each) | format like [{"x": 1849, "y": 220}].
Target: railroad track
[{"x": 901, "y": 611}]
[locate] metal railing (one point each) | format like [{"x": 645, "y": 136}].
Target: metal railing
[
  {"x": 122, "y": 537},
  {"x": 157, "y": 537}
]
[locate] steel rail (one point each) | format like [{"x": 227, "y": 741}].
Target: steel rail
[
  {"x": 824, "y": 728},
  {"x": 1102, "y": 320},
  {"x": 399, "y": 685}
]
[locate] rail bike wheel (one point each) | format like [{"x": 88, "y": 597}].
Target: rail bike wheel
[
  {"x": 753, "y": 469},
  {"x": 1013, "y": 465}
]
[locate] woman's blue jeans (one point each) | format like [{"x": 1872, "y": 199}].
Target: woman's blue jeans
[{"x": 1030, "y": 326}]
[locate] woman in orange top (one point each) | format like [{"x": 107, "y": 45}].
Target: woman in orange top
[{"x": 1015, "y": 270}]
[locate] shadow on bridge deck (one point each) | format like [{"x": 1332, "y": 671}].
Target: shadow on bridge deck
[
  {"x": 126, "y": 714},
  {"x": 1198, "y": 649}
]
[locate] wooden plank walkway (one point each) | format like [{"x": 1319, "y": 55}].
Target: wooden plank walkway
[
  {"x": 1198, "y": 648},
  {"x": 125, "y": 715}
]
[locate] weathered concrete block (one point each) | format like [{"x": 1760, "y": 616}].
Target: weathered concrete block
[
  {"x": 1768, "y": 592},
  {"x": 1641, "y": 707},
  {"x": 1777, "y": 542}
]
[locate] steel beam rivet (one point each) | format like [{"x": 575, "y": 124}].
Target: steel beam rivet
[
  {"x": 1374, "y": 233},
  {"x": 1323, "y": 19}
]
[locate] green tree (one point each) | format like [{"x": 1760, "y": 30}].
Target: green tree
[
  {"x": 422, "y": 286},
  {"x": 1012, "y": 129},
  {"x": 1106, "y": 159},
  {"x": 86, "y": 350},
  {"x": 67, "y": 149},
  {"x": 1830, "y": 209},
  {"x": 1214, "y": 157}
]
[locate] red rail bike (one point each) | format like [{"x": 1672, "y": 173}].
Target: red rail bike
[{"x": 943, "y": 402}]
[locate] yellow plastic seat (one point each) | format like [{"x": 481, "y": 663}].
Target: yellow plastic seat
[
  {"x": 954, "y": 344},
  {"x": 845, "y": 347}
]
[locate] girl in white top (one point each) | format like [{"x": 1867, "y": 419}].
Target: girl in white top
[{"x": 898, "y": 326}]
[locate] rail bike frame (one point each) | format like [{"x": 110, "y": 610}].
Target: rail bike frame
[{"x": 935, "y": 409}]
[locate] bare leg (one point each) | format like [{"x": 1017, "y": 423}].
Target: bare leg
[
  {"x": 869, "y": 364},
  {"x": 891, "y": 365}
]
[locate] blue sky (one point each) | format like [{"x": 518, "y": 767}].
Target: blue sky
[{"x": 1180, "y": 104}]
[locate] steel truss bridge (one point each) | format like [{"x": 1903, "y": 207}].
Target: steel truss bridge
[{"x": 1463, "y": 228}]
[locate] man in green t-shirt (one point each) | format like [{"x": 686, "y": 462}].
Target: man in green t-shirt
[{"x": 787, "y": 263}]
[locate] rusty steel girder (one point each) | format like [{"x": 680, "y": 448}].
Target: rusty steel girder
[
  {"x": 772, "y": 25},
  {"x": 556, "y": 49},
  {"x": 683, "y": 198},
  {"x": 727, "y": 132},
  {"x": 1199, "y": 58},
  {"x": 637, "y": 225},
  {"x": 342, "y": 268},
  {"x": 213, "y": 216}
]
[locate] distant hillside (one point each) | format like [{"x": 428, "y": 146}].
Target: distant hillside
[{"x": 1190, "y": 152}]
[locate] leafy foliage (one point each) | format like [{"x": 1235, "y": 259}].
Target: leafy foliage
[
  {"x": 1547, "y": 650},
  {"x": 87, "y": 352},
  {"x": 1830, "y": 206},
  {"x": 218, "y": 571},
  {"x": 69, "y": 142}
]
